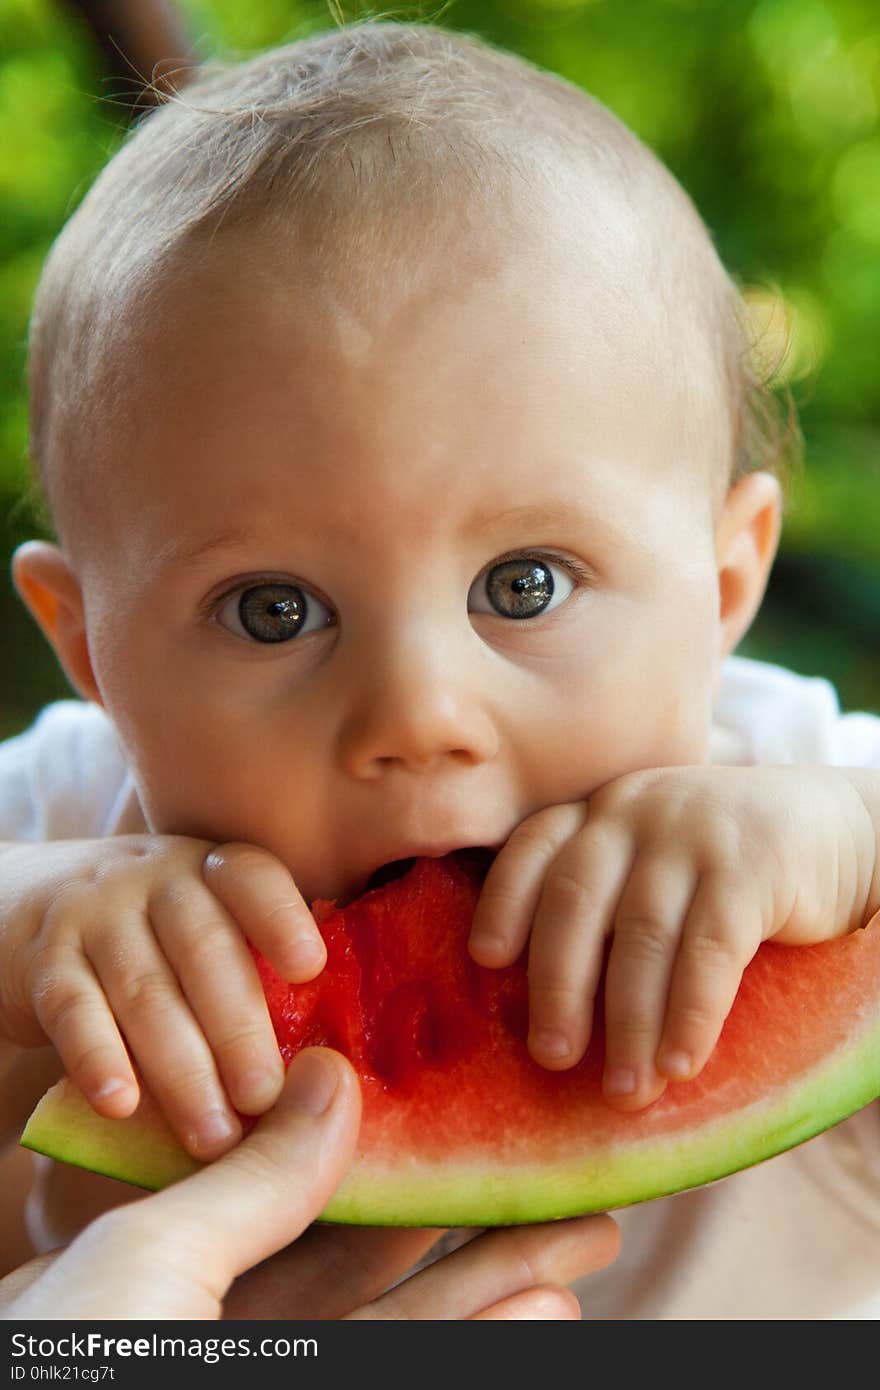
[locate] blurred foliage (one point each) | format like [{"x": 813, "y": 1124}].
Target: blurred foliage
[{"x": 766, "y": 110}]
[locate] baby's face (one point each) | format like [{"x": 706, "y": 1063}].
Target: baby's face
[{"x": 383, "y": 583}]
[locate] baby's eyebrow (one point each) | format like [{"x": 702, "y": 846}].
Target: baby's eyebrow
[
  {"x": 177, "y": 555},
  {"x": 545, "y": 517},
  {"x": 534, "y": 520}
]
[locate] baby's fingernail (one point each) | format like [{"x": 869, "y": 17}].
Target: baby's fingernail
[
  {"x": 619, "y": 1081},
  {"x": 111, "y": 1087},
  {"x": 312, "y": 1083},
  {"x": 549, "y": 1044},
  {"x": 675, "y": 1066},
  {"x": 115, "y": 1094},
  {"x": 305, "y": 957},
  {"x": 258, "y": 1088},
  {"x": 215, "y": 1130},
  {"x": 486, "y": 943}
]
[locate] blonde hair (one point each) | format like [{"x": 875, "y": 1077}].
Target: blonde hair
[{"x": 356, "y": 127}]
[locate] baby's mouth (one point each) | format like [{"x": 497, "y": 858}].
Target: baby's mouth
[
  {"x": 387, "y": 873},
  {"x": 478, "y": 857}
]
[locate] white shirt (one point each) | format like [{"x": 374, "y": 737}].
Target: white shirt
[{"x": 796, "y": 1237}]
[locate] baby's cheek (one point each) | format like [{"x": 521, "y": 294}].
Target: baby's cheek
[
  {"x": 681, "y": 731},
  {"x": 614, "y": 726},
  {"x": 203, "y": 778}
]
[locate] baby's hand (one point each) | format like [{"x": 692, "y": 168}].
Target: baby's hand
[
  {"x": 688, "y": 869},
  {"x": 134, "y": 948}
]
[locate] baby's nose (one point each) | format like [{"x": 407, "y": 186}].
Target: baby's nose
[{"x": 417, "y": 707}]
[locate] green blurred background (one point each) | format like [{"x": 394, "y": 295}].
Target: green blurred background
[{"x": 768, "y": 114}]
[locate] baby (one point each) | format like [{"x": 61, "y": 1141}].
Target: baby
[{"x": 395, "y": 419}]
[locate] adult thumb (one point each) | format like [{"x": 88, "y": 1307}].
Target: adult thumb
[
  {"x": 278, "y": 1179},
  {"x": 175, "y": 1254}
]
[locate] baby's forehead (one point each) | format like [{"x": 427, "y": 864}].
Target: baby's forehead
[
  {"x": 524, "y": 321},
  {"x": 602, "y": 239},
  {"x": 642, "y": 274},
  {"x": 564, "y": 277},
  {"x": 492, "y": 376}
]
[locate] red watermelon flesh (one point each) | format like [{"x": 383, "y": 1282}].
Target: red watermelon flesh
[{"x": 461, "y": 1126}]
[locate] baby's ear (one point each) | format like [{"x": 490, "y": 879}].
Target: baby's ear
[
  {"x": 50, "y": 589},
  {"x": 746, "y": 539}
]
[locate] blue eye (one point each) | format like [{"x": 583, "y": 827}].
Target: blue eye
[
  {"x": 273, "y": 612},
  {"x": 524, "y": 587}
]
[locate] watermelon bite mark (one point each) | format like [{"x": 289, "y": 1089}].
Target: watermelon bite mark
[
  {"x": 399, "y": 994},
  {"x": 389, "y": 872},
  {"x": 461, "y": 1126}
]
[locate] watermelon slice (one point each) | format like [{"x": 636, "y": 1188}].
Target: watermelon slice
[{"x": 461, "y": 1127}]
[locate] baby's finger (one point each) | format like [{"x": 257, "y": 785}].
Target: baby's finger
[
  {"x": 165, "y": 1040},
  {"x": 721, "y": 933},
  {"x": 210, "y": 957},
  {"x": 568, "y": 939},
  {"x": 261, "y": 895},
  {"x": 73, "y": 1012},
  {"x": 647, "y": 928},
  {"x": 510, "y": 895}
]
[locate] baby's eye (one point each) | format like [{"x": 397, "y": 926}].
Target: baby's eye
[
  {"x": 523, "y": 587},
  {"x": 273, "y": 612}
]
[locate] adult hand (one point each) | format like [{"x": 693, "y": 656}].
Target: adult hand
[{"x": 176, "y": 1254}]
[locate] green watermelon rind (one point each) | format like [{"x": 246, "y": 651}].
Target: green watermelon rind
[
  {"x": 408, "y": 1191},
  {"x": 617, "y": 1177},
  {"x": 141, "y": 1150}
]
